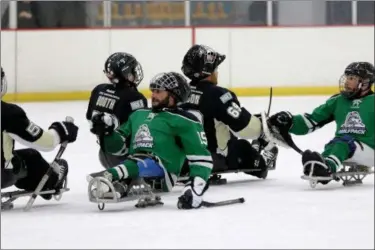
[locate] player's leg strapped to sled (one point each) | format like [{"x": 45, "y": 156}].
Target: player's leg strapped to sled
[
  {"x": 29, "y": 168},
  {"x": 137, "y": 178},
  {"x": 343, "y": 159},
  {"x": 141, "y": 177},
  {"x": 107, "y": 160}
]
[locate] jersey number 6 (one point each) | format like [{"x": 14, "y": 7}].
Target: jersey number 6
[
  {"x": 33, "y": 129},
  {"x": 234, "y": 110}
]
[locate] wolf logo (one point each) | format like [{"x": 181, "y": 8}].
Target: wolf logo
[
  {"x": 353, "y": 124},
  {"x": 353, "y": 119},
  {"x": 143, "y": 137}
]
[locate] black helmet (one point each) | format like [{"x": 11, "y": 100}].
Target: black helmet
[
  {"x": 3, "y": 83},
  {"x": 174, "y": 83},
  {"x": 122, "y": 67},
  {"x": 200, "y": 62},
  {"x": 366, "y": 75}
]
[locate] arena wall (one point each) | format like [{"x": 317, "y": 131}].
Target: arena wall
[{"x": 52, "y": 65}]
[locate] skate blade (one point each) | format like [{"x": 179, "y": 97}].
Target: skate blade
[
  {"x": 343, "y": 174},
  {"x": 17, "y": 194},
  {"x": 316, "y": 178}
]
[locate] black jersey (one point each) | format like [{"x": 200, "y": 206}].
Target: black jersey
[
  {"x": 219, "y": 110},
  {"x": 15, "y": 125},
  {"x": 120, "y": 101}
]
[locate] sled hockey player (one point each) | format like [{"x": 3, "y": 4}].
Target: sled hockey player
[
  {"x": 160, "y": 139},
  {"x": 118, "y": 98},
  {"x": 228, "y": 126},
  {"x": 353, "y": 143},
  {"x": 24, "y": 168}
]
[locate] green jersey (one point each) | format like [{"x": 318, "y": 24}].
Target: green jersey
[
  {"x": 352, "y": 117},
  {"x": 171, "y": 135}
]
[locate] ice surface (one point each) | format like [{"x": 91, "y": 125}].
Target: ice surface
[{"x": 280, "y": 212}]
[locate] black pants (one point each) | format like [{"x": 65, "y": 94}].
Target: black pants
[
  {"x": 108, "y": 160},
  {"x": 29, "y": 166},
  {"x": 241, "y": 155}
]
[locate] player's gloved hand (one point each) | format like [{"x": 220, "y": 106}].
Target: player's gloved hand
[
  {"x": 192, "y": 194},
  {"x": 103, "y": 124},
  {"x": 282, "y": 120},
  {"x": 262, "y": 139},
  {"x": 67, "y": 131}
]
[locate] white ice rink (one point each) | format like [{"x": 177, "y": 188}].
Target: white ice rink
[{"x": 280, "y": 212}]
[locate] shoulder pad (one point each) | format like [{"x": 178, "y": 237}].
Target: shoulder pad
[
  {"x": 10, "y": 109},
  {"x": 102, "y": 85},
  {"x": 224, "y": 94},
  {"x": 141, "y": 109},
  {"x": 335, "y": 95},
  {"x": 183, "y": 113}
]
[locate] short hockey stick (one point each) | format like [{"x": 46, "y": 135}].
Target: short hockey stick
[
  {"x": 216, "y": 204},
  {"x": 48, "y": 173},
  {"x": 269, "y": 102},
  {"x": 285, "y": 141},
  {"x": 223, "y": 203},
  {"x": 291, "y": 143}
]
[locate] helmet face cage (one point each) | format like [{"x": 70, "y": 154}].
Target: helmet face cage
[
  {"x": 358, "y": 77},
  {"x": 344, "y": 84},
  {"x": 201, "y": 61},
  {"x": 137, "y": 75},
  {"x": 173, "y": 83},
  {"x": 3, "y": 83}
]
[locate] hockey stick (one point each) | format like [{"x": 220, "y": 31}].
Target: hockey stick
[
  {"x": 223, "y": 203},
  {"x": 269, "y": 103},
  {"x": 208, "y": 204},
  {"x": 49, "y": 171},
  {"x": 285, "y": 141}
]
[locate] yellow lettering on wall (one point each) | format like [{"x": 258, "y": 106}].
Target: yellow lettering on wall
[
  {"x": 128, "y": 11},
  {"x": 221, "y": 11},
  {"x": 177, "y": 11},
  {"x": 199, "y": 11},
  {"x": 211, "y": 9},
  {"x": 115, "y": 12},
  {"x": 100, "y": 15},
  {"x": 138, "y": 10}
]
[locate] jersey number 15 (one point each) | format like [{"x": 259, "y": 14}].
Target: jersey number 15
[{"x": 202, "y": 138}]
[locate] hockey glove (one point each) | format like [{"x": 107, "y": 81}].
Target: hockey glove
[
  {"x": 192, "y": 194},
  {"x": 67, "y": 131},
  {"x": 103, "y": 124},
  {"x": 282, "y": 120},
  {"x": 262, "y": 139}
]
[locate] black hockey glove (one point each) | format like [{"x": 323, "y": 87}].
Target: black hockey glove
[
  {"x": 263, "y": 141},
  {"x": 67, "y": 131},
  {"x": 282, "y": 120},
  {"x": 192, "y": 194},
  {"x": 103, "y": 124}
]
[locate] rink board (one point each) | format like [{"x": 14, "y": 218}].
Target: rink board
[{"x": 243, "y": 92}]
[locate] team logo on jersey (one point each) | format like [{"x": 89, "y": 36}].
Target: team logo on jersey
[
  {"x": 356, "y": 103},
  {"x": 143, "y": 138},
  {"x": 151, "y": 116},
  {"x": 353, "y": 124}
]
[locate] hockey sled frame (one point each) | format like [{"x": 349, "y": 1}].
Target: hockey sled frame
[
  {"x": 354, "y": 175},
  {"x": 145, "y": 196}
]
